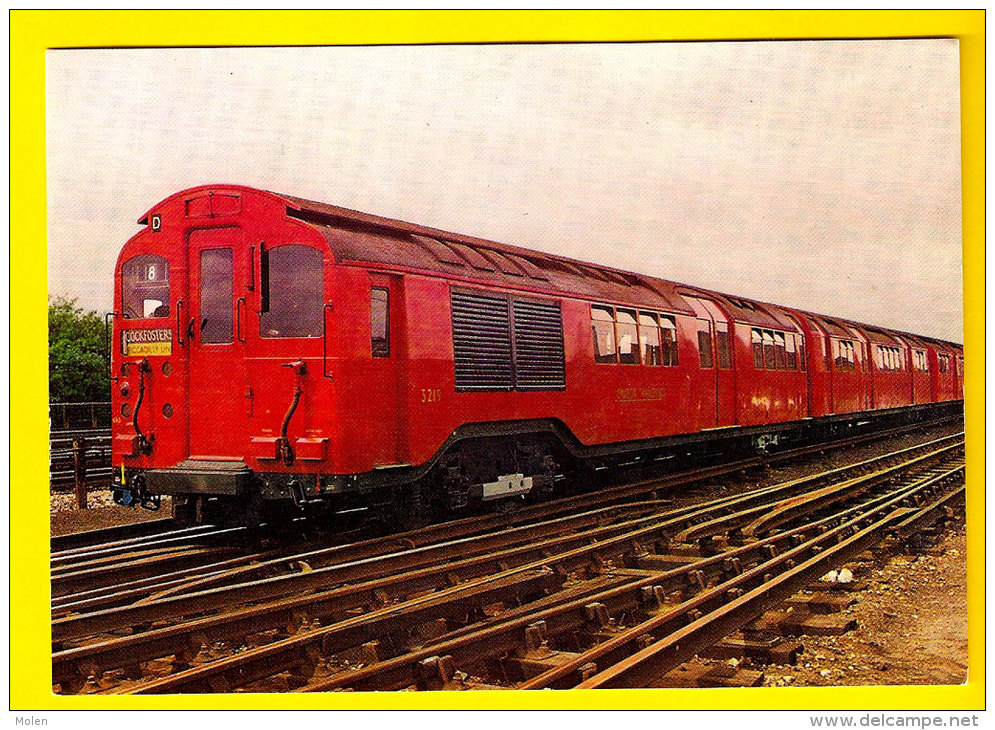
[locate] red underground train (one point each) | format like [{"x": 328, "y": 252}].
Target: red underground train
[{"x": 273, "y": 351}]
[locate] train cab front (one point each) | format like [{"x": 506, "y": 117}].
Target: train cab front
[{"x": 219, "y": 339}]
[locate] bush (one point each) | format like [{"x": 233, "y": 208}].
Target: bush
[{"x": 78, "y": 369}]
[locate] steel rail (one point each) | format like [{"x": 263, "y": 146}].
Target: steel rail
[
  {"x": 497, "y": 639},
  {"x": 215, "y": 575},
  {"x": 266, "y": 564},
  {"x": 268, "y": 616},
  {"x": 228, "y": 673},
  {"x": 154, "y": 541},
  {"x": 188, "y": 604},
  {"x": 919, "y": 453},
  {"x": 651, "y": 663},
  {"x": 628, "y": 641},
  {"x": 363, "y": 576}
]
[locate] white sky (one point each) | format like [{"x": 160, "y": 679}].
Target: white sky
[{"x": 822, "y": 175}]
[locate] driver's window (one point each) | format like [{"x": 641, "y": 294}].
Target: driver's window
[
  {"x": 145, "y": 287},
  {"x": 293, "y": 292}
]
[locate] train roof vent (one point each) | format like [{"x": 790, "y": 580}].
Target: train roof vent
[
  {"x": 503, "y": 263},
  {"x": 472, "y": 255},
  {"x": 529, "y": 267},
  {"x": 438, "y": 249}
]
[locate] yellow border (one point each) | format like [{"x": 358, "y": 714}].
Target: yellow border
[{"x": 32, "y": 32}]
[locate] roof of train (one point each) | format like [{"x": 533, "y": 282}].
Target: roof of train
[
  {"x": 357, "y": 236},
  {"x": 354, "y": 236}
]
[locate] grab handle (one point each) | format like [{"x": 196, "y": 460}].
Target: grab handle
[
  {"x": 179, "y": 323},
  {"x": 324, "y": 341},
  {"x": 239, "y": 305}
]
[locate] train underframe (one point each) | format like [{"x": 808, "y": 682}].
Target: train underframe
[{"x": 481, "y": 467}]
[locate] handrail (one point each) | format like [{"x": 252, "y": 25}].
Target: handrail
[
  {"x": 179, "y": 323},
  {"x": 324, "y": 340}
]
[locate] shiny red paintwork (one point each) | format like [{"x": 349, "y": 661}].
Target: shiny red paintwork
[{"x": 358, "y": 412}]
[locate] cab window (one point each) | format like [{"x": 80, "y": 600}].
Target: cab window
[
  {"x": 379, "y": 322},
  {"x": 145, "y": 287},
  {"x": 292, "y": 292}
]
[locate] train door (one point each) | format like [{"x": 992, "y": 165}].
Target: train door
[
  {"x": 820, "y": 371},
  {"x": 908, "y": 367},
  {"x": 865, "y": 375},
  {"x": 716, "y": 354},
  {"x": 215, "y": 333},
  {"x": 388, "y": 377}
]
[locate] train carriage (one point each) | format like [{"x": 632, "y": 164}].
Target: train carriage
[{"x": 270, "y": 349}]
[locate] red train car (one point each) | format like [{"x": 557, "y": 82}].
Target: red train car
[{"x": 274, "y": 349}]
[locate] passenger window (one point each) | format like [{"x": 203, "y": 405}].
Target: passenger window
[
  {"x": 779, "y": 356},
  {"x": 145, "y": 287},
  {"x": 292, "y": 292},
  {"x": 380, "y": 322},
  {"x": 792, "y": 357},
  {"x": 603, "y": 324},
  {"x": 216, "y": 294},
  {"x": 770, "y": 362},
  {"x": 668, "y": 329},
  {"x": 627, "y": 337},
  {"x": 649, "y": 339},
  {"x": 801, "y": 353},
  {"x": 758, "y": 350},
  {"x": 723, "y": 345},
  {"x": 844, "y": 355},
  {"x": 705, "y": 343}
]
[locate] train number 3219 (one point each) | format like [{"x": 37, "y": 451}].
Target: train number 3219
[{"x": 431, "y": 395}]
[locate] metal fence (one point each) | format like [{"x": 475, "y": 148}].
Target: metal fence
[
  {"x": 79, "y": 416},
  {"x": 79, "y": 448}
]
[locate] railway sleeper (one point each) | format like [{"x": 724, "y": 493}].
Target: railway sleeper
[
  {"x": 696, "y": 674},
  {"x": 759, "y": 648},
  {"x": 519, "y": 668},
  {"x": 280, "y": 656}
]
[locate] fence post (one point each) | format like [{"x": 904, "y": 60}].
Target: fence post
[{"x": 79, "y": 471}]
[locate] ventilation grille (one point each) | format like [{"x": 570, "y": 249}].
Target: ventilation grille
[
  {"x": 481, "y": 342},
  {"x": 504, "y": 345},
  {"x": 538, "y": 346}
]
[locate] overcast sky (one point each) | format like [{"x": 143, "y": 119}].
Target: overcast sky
[{"x": 822, "y": 175}]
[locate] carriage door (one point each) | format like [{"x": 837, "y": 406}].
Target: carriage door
[
  {"x": 216, "y": 333},
  {"x": 387, "y": 393},
  {"x": 715, "y": 354}
]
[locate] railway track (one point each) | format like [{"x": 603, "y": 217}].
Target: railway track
[
  {"x": 106, "y": 568},
  {"x": 579, "y": 592}
]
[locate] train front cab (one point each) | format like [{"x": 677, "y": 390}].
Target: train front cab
[{"x": 219, "y": 347}]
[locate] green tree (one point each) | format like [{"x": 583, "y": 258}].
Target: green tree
[{"x": 77, "y": 356}]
